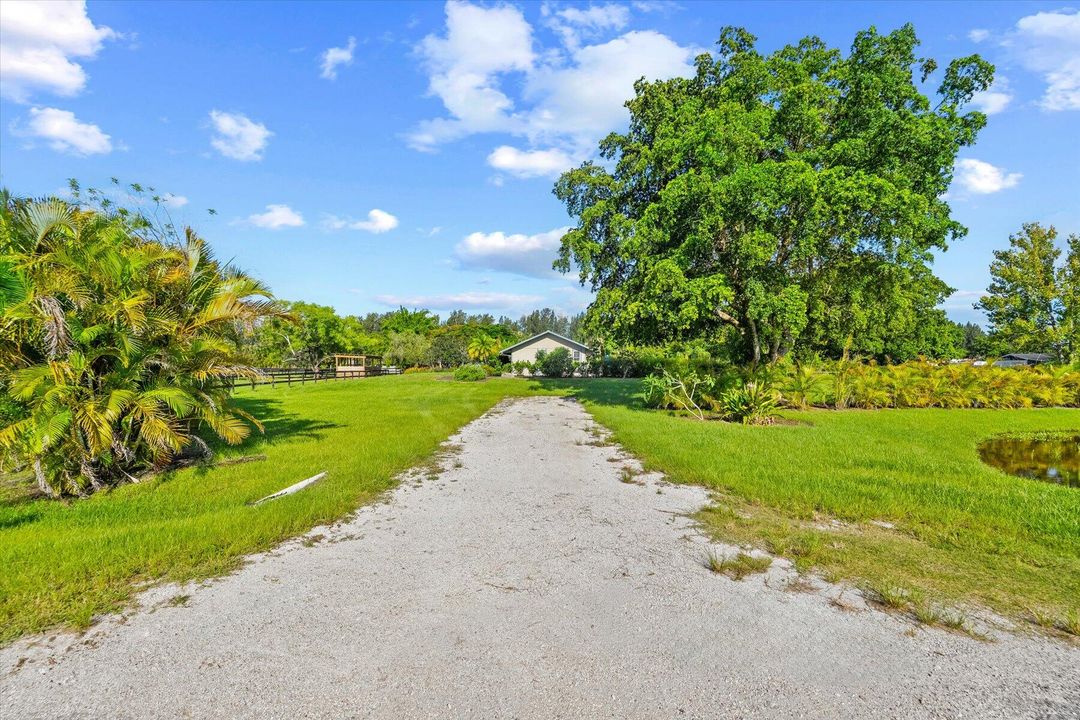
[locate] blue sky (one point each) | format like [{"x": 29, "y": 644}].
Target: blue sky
[{"x": 362, "y": 155}]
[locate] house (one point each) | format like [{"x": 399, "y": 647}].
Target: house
[
  {"x": 526, "y": 349},
  {"x": 1015, "y": 359}
]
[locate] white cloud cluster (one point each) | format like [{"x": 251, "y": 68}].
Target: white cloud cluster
[
  {"x": 378, "y": 221},
  {"x": 464, "y": 68},
  {"x": 39, "y": 42},
  {"x": 454, "y": 301},
  {"x": 564, "y": 98},
  {"x": 977, "y": 35},
  {"x": 63, "y": 132},
  {"x": 982, "y": 178},
  {"x": 530, "y": 255},
  {"x": 238, "y": 137},
  {"x": 573, "y": 23},
  {"x": 277, "y": 217},
  {"x": 529, "y": 163},
  {"x": 1049, "y": 43},
  {"x": 994, "y": 99},
  {"x": 334, "y": 57}
]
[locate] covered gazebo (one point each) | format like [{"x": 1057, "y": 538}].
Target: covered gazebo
[{"x": 357, "y": 365}]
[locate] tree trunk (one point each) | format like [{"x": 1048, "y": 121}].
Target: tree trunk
[
  {"x": 755, "y": 342},
  {"x": 42, "y": 483}
]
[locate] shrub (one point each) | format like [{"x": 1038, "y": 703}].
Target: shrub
[
  {"x": 752, "y": 403},
  {"x": 556, "y": 363},
  {"x": 470, "y": 373},
  {"x": 803, "y": 385},
  {"x": 119, "y": 342},
  {"x": 922, "y": 384},
  {"x": 413, "y": 370},
  {"x": 687, "y": 392},
  {"x": 654, "y": 392}
]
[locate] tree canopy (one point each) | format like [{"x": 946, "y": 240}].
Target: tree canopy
[
  {"x": 1033, "y": 302},
  {"x": 308, "y": 335},
  {"x": 781, "y": 201}
]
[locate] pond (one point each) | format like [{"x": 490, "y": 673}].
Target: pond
[{"x": 1053, "y": 459}]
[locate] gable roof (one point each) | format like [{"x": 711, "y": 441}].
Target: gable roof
[
  {"x": 1033, "y": 357},
  {"x": 547, "y": 333}
]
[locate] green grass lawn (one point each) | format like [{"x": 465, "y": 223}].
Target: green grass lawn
[
  {"x": 962, "y": 531},
  {"x": 65, "y": 563}
]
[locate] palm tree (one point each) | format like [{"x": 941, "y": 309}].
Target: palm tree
[
  {"x": 118, "y": 347},
  {"x": 483, "y": 347}
]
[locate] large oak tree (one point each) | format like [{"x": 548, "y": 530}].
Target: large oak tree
[{"x": 791, "y": 198}]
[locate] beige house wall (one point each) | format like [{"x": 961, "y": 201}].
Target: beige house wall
[{"x": 528, "y": 353}]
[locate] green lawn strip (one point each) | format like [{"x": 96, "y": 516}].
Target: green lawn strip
[
  {"x": 64, "y": 563},
  {"x": 963, "y": 532}
]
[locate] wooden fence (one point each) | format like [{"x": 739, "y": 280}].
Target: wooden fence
[{"x": 302, "y": 376}]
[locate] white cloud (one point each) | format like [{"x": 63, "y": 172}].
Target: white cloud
[
  {"x": 583, "y": 101},
  {"x": 454, "y": 301},
  {"x": 529, "y": 163},
  {"x": 65, "y": 133},
  {"x": 277, "y": 217},
  {"x": 572, "y": 23},
  {"x": 335, "y": 56},
  {"x": 1049, "y": 43},
  {"x": 597, "y": 16},
  {"x": 238, "y": 137},
  {"x": 991, "y": 102},
  {"x": 378, "y": 221},
  {"x": 995, "y": 99},
  {"x": 491, "y": 77},
  {"x": 37, "y": 43},
  {"x": 978, "y": 35},
  {"x": 530, "y": 255},
  {"x": 173, "y": 201},
  {"x": 962, "y": 300},
  {"x": 983, "y": 178},
  {"x": 572, "y": 298},
  {"x": 464, "y": 65}
]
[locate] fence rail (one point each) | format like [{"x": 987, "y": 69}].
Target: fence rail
[{"x": 302, "y": 376}]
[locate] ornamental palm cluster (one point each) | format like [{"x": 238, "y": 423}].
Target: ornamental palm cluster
[{"x": 118, "y": 343}]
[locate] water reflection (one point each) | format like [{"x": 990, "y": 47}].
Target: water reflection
[{"x": 1054, "y": 459}]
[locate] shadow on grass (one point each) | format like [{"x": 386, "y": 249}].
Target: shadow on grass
[
  {"x": 21, "y": 515},
  {"x": 278, "y": 426},
  {"x": 600, "y": 391}
]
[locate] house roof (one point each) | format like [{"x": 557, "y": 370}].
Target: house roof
[
  {"x": 1032, "y": 357},
  {"x": 547, "y": 333}
]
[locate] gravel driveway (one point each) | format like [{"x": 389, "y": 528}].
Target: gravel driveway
[{"x": 527, "y": 580}]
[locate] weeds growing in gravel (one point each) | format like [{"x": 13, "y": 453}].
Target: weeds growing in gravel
[{"x": 737, "y": 567}]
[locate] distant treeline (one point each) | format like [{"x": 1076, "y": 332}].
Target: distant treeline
[{"x": 312, "y": 333}]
